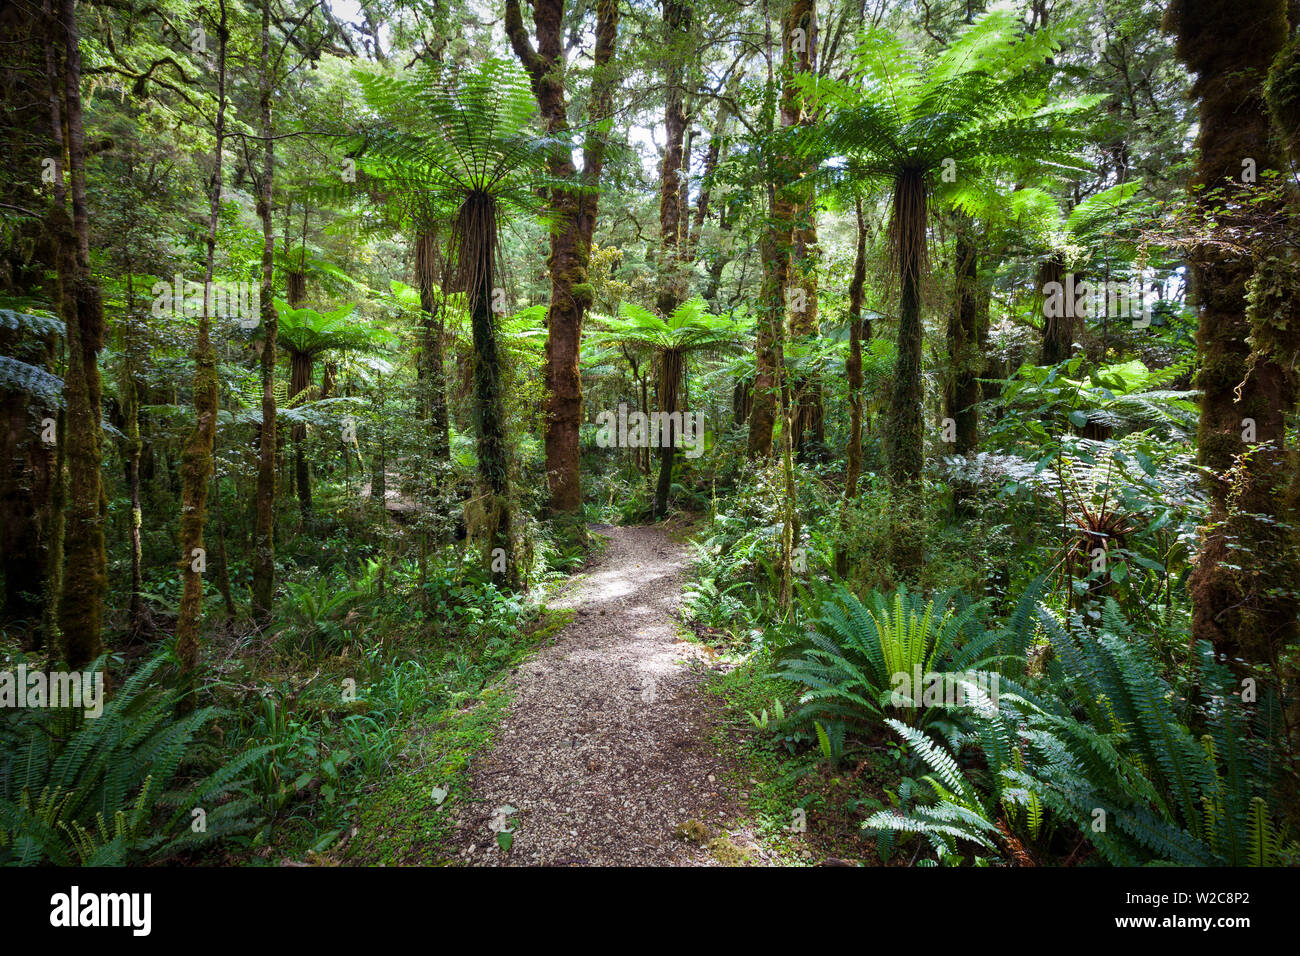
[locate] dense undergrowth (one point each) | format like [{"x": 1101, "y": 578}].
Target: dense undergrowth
[
  {"x": 1014, "y": 703},
  {"x": 306, "y": 732}
]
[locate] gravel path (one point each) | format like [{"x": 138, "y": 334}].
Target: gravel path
[{"x": 605, "y": 750}]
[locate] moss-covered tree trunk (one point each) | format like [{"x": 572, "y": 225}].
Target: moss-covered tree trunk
[
  {"x": 301, "y": 373},
  {"x": 1244, "y": 581},
  {"x": 431, "y": 366},
  {"x": 905, "y": 443},
  {"x": 196, "y": 457},
  {"x": 1239, "y": 602},
  {"x": 85, "y": 574},
  {"x": 677, "y": 17},
  {"x": 264, "y": 534},
  {"x": 129, "y": 388},
  {"x": 800, "y": 55},
  {"x": 859, "y": 331},
  {"x": 476, "y": 231},
  {"x": 964, "y": 344},
  {"x": 573, "y": 214}
]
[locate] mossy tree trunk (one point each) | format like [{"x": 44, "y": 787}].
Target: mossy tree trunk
[
  {"x": 476, "y": 231},
  {"x": 677, "y": 19},
  {"x": 799, "y": 27},
  {"x": 965, "y": 343},
  {"x": 264, "y": 535},
  {"x": 196, "y": 458},
  {"x": 1239, "y": 604},
  {"x": 1243, "y": 584},
  {"x": 573, "y": 215},
  {"x": 904, "y": 444},
  {"x": 859, "y": 331},
  {"x": 85, "y": 573},
  {"x": 301, "y": 373}
]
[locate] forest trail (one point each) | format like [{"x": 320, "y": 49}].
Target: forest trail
[{"x": 605, "y": 751}]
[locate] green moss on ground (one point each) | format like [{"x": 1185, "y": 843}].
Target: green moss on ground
[
  {"x": 407, "y": 820},
  {"x": 783, "y": 772}
]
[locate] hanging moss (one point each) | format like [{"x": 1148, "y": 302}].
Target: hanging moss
[{"x": 1282, "y": 92}]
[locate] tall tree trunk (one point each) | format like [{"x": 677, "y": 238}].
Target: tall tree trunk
[
  {"x": 264, "y": 536},
  {"x": 301, "y": 372},
  {"x": 965, "y": 354},
  {"x": 130, "y": 391},
  {"x": 904, "y": 443},
  {"x": 85, "y": 571},
  {"x": 774, "y": 258},
  {"x": 672, "y": 189},
  {"x": 196, "y": 459},
  {"x": 800, "y": 38},
  {"x": 677, "y": 24},
  {"x": 859, "y": 329},
  {"x": 1243, "y": 581},
  {"x": 476, "y": 229},
  {"x": 431, "y": 333},
  {"x": 574, "y": 220}
]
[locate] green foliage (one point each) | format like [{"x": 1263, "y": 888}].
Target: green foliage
[
  {"x": 1103, "y": 751},
  {"x": 95, "y": 790},
  {"x": 856, "y": 654}
]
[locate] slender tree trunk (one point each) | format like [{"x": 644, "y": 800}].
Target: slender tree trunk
[
  {"x": 905, "y": 441},
  {"x": 431, "y": 357},
  {"x": 964, "y": 344},
  {"x": 196, "y": 459},
  {"x": 859, "y": 328},
  {"x": 301, "y": 372},
  {"x": 264, "y": 536},
  {"x": 904, "y": 444},
  {"x": 85, "y": 571},
  {"x": 131, "y": 356}
]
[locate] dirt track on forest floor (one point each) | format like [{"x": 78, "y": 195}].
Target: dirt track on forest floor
[{"x": 605, "y": 750}]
